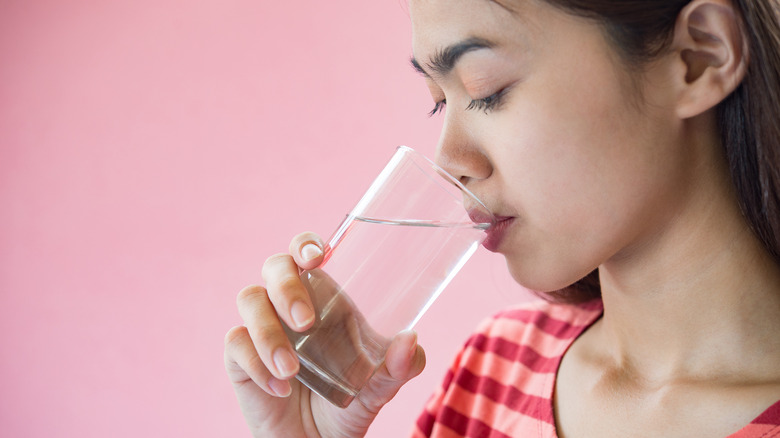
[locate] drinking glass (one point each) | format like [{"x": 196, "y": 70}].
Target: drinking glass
[{"x": 382, "y": 269}]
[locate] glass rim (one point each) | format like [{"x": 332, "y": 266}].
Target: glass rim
[{"x": 451, "y": 179}]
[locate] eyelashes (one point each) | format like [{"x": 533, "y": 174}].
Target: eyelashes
[
  {"x": 489, "y": 103},
  {"x": 439, "y": 107},
  {"x": 486, "y": 104}
]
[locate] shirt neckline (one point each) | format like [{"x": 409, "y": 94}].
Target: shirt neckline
[{"x": 770, "y": 417}]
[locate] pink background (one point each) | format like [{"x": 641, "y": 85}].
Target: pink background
[{"x": 153, "y": 154}]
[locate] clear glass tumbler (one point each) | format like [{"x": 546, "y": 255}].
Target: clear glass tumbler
[{"x": 383, "y": 267}]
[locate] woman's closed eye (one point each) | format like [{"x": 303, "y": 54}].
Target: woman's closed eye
[
  {"x": 489, "y": 103},
  {"x": 485, "y": 104}
]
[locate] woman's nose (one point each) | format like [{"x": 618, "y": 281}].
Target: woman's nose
[{"x": 460, "y": 154}]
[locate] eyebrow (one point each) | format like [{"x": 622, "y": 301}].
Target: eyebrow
[{"x": 444, "y": 60}]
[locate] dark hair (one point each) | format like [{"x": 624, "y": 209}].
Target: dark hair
[{"x": 749, "y": 118}]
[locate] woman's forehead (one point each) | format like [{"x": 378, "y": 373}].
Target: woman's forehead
[{"x": 439, "y": 23}]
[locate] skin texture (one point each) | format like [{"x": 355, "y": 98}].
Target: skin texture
[{"x": 590, "y": 164}]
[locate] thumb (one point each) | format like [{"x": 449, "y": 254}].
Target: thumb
[{"x": 404, "y": 360}]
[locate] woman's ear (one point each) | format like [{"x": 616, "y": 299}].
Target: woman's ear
[{"x": 713, "y": 54}]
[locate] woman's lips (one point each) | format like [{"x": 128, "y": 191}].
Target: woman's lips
[{"x": 495, "y": 234}]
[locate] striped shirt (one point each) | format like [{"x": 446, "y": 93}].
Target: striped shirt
[{"x": 501, "y": 383}]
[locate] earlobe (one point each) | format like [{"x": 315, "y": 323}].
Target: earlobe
[{"x": 713, "y": 52}]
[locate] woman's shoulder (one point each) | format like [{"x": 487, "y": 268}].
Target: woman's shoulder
[
  {"x": 535, "y": 334},
  {"x": 508, "y": 366},
  {"x": 542, "y": 318}
]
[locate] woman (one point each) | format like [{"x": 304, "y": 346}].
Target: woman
[{"x": 630, "y": 150}]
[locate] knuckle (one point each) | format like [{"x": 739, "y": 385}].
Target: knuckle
[
  {"x": 235, "y": 335},
  {"x": 289, "y": 284},
  {"x": 249, "y": 294},
  {"x": 256, "y": 366},
  {"x": 268, "y": 335},
  {"x": 274, "y": 263},
  {"x": 276, "y": 259}
]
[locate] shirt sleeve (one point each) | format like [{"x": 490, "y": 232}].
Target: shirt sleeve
[
  {"x": 424, "y": 426},
  {"x": 425, "y": 422}
]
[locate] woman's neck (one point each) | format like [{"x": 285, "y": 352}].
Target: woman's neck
[{"x": 695, "y": 298}]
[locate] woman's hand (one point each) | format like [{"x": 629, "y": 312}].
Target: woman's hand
[{"x": 261, "y": 363}]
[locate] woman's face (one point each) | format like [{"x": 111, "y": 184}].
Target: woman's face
[{"x": 581, "y": 157}]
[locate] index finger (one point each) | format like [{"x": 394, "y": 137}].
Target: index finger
[{"x": 287, "y": 292}]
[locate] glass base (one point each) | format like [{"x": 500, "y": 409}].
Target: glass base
[{"x": 327, "y": 387}]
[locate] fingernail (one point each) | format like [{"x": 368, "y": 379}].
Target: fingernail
[
  {"x": 413, "y": 348},
  {"x": 310, "y": 252},
  {"x": 279, "y": 387},
  {"x": 302, "y": 314},
  {"x": 285, "y": 363}
]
